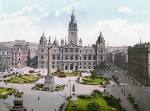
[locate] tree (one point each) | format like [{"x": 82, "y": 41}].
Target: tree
[{"x": 93, "y": 106}]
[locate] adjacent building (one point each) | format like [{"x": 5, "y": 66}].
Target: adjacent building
[
  {"x": 121, "y": 59},
  {"x": 71, "y": 55},
  {"x": 19, "y": 54},
  {"x": 139, "y": 62},
  {"x": 118, "y": 56},
  {"x": 4, "y": 58}
]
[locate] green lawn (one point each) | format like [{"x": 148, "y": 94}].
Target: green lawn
[
  {"x": 64, "y": 74},
  {"x": 94, "y": 81},
  {"x": 23, "y": 79},
  {"x": 82, "y": 105},
  {"x": 41, "y": 87},
  {"x": 104, "y": 102},
  {"x": 6, "y": 91}
]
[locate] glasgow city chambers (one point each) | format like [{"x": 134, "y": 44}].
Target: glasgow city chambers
[{"x": 71, "y": 55}]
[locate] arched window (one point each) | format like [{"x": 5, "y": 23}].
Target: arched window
[
  {"x": 80, "y": 57},
  {"x": 42, "y": 57},
  {"x": 89, "y": 57},
  {"x": 66, "y": 57},
  {"x": 53, "y": 57},
  {"x": 94, "y": 57},
  {"x": 84, "y": 57},
  {"x": 76, "y": 57},
  {"x": 58, "y": 57},
  {"x": 71, "y": 57},
  {"x": 101, "y": 57},
  {"x": 42, "y": 50}
]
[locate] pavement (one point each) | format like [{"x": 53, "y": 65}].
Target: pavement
[
  {"x": 116, "y": 92},
  {"x": 51, "y": 101},
  {"x": 48, "y": 101},
  {"x": 140, "y": 93}
]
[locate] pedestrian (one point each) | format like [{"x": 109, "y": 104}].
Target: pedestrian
[{"x": 38, "y": 97}]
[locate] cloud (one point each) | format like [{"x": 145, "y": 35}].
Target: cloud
[
  {"x": 31, "y": 21},
  {"x": 79, "y": 8},
  {"x": 119, "y": 32},
  {"x": 68, "y": 8},
  {"x": 125, "y": 10},
  {"x": 128, "y": 11},
  {"x": 20, "y": 25}
]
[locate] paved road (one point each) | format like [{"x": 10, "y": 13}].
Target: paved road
[
  {"x": 116, "y": 92},
  {"x": 140, "y": 93}
]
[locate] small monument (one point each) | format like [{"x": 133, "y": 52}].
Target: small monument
[
  {"x": 18, "y": 104},
  {"x": 49, "y": 79}
]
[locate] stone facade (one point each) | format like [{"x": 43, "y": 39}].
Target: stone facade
[
  {"x": 71, "y": 56},
  {"x": 139, "y": 63},
  {"x": 118, "y": 56},
  {"x": 121, "y": 59},
  {"x": 4, "y": 58},
  {"x": 19, "y": 54}
]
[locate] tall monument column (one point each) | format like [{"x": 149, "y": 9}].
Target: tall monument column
[
  {"x": 49, "y": 61},
  {"x": 49, "y": 79}
]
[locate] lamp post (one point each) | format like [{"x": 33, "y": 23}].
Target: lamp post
[{"x": 70, "y": 87}]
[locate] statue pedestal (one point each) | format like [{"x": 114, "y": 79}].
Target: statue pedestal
[
  {"x": 18, "y": 105},
  {"x": 49, "y": 82}
]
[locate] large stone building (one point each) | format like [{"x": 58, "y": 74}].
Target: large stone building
[
  {"x": 72, "y": 55},
  {"x": 19, "y": 54},
  {"x": 139, "y": 63}
]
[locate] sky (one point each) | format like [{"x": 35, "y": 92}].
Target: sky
[{"x": 122, "y": 22}]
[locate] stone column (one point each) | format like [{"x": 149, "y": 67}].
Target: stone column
[
  {"x": 74, "y": 64},
  {"x": 68, "y": 66},
  {"x": 64, "y": 65},
  {"x": 49, "y": 79},
  {"x": 49, "y": 62}
]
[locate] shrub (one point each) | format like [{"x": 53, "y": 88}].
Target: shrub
[
  {"x": 93, "y": 106},
  {"x": 113, "y": 102},
  {"x": 84, "y": 97},
  {"x": 97, "y": 92}
]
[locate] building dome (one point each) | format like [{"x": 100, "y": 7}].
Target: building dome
[
  {"x": 55, "y": 43},
  {"x": 62, "y": 41},
  {"x": 80, "y": 42},
  {"x": 100, "y": 39},
  {"x": 43, "y": 40}
]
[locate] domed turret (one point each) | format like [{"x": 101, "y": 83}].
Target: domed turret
[
  {"x": 80, "y": 42},
  {"x": 62, "y": 41},
  {"x": 100, "y": 39},
  {"x": 55, "y": 42},
  {"x": 49, "y": 41},
  {"x": 43, "y": 40}
]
